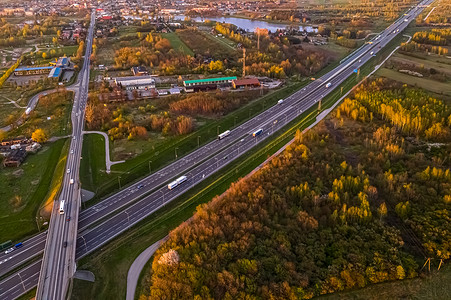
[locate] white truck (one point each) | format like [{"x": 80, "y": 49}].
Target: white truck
[
  {"x": 177, "y": 182},
  {"x": 223, "y": 135},
  {"x": 62, "y": 207}
]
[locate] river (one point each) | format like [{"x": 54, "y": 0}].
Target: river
[{"x": 247, "y": 24}]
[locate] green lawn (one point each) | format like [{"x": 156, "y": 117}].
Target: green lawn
[
  {"x": 30, "y": 182},
  {"x": 177, "y": 43},
  {"x": 427, "y": 62},
  {"x": 427, "y": 84},
  {"x": 92, "y": 166},
  {"x": 222, "y": 40}
]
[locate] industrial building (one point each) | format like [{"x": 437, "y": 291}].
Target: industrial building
[
  {"x": 55, "y": 73},
  {"x": 24, "y": 71},
  {"x": 136, "y": 82},
  {"x": 221, "y": 81},
  {"x": 245, "y": 83}
]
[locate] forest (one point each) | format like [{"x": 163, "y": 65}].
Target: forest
[
  {"x": 362, "y": 198},
  {"x": 434, "y": 41}
]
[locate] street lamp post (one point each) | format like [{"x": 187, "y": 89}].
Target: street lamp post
[
  {"x": 86, "y": 246},
  {"x": 119, "y": 180},
  {"x": 37, "y": 223},
  {"x": 176, "y": 156},
  {"x": 163, "y": 195},
  {"x": 128, "y": 218},
  {"x": 219, "y": 126},
  {"x": 234, "y": 123},
  {"x": 198, "y": 141},
  {"x": 150, "y": 167}
]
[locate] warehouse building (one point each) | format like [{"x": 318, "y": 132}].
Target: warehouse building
[
  {"x": 221, "y": 81},
  {"x": 55, "y": 73},
  {"x": 136, "y": 82},
  {"x": 24, "y": 71},
  {"x": 245, "y": 83}
]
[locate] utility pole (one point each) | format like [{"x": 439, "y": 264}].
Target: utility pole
[
  {"x": 258, "y": 39},
  {"x": 319, "y": 104},
  {"x": 244, "y": 62}
]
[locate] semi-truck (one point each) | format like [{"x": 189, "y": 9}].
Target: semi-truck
[
  {"x": 223, "y": 135},
  {"x": 258, "y": 132},
  {"x": 177, "y": 182}
]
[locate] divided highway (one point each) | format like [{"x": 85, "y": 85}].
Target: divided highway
[
  {"x": 58, "y": 265},
  {"x": 148, "y": 194}
]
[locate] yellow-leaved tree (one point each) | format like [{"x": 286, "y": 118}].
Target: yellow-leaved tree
[{"x": 39, "y": 136}]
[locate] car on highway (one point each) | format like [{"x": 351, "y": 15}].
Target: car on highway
[
  {"x": 65, "y": 244},
  {"x": 140, "y": 186},
  {"x": 68, "y": 171},
  {"x": 68, "y": 219},
  {"x": 18, "y": 245},
  {"x": 72, "y": 151},
  {"x": 280, "y": 101},
  {"x": 71, "y": 181},
  {"x": 9, "y": 250}
]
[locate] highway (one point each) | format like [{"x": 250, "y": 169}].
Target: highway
[
  {"x": 58, "y": 265},
  {"x": 195, "y": 165}
]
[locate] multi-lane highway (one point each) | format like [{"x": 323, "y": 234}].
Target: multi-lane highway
[
  {"x": 149, "y": 195},
  {"x": 58, "y": 264}
]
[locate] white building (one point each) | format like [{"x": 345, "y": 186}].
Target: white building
[{"x": 136, "y": 82}]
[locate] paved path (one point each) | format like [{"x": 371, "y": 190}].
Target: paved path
[
  {"x": 108, "y": 162},
  {"x": 137, "y": 266}
]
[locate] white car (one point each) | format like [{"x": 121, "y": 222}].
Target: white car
[
  {"x": 72, "y": 151},
  {"x": 68, "y": 171},
  {"x": 9, "y": 250}
]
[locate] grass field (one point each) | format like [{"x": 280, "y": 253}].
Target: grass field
[
  {"x": 30, "y": 182},
  {"x": 177, "y": 43},
  {"x": 426, "y": 61},
  {"x": 206, "y": 45},
  {"x": 93, "y": 154},
  {"x": 437, "y": 87},
  {"x": 222, "y": 40}
]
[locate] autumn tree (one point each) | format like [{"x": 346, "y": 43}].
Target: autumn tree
[{"x": 39, "y": 136}]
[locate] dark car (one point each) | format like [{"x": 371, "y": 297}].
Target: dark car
[
  {"x": 140, "y": 186},
  {"x": 65, "y": 244},
  {"x": 68, "y": 219}
]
